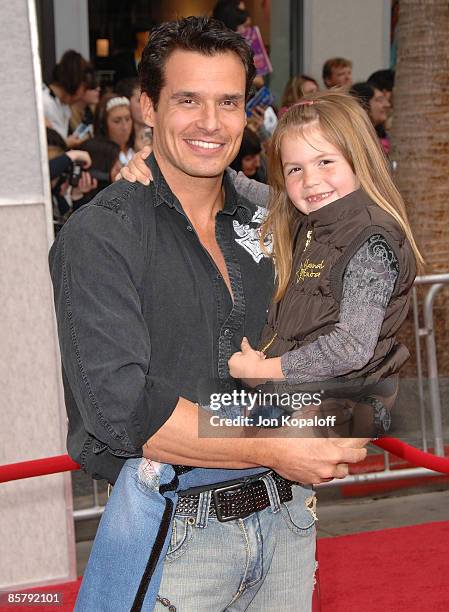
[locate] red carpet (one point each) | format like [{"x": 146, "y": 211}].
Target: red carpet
[
  {"x": 69, "y": 591},
  {"x": 393, "y": 570}
]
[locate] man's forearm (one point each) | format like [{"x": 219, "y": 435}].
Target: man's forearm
[
  {"x": 308, "y": 460},
  {"x": 183, "y": 440}
]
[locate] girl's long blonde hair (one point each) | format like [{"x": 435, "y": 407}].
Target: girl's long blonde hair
[{"x": 345, "y": 125}]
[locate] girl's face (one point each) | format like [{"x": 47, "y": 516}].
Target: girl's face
[
  {"x": 315, "y": 172},
  {"x": 119, "y": 125}
]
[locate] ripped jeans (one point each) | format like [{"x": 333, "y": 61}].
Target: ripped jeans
[
  {"x": 263, "y": 562},
  {"x": 205, "y": 564}
]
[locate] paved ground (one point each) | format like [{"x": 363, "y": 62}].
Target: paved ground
[
  {"x": 369, "y": 514},
  {"x": 336, "y": 516}
]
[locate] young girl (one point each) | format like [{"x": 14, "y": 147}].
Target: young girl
[
  {"x": 113, "y": 121},
  {"x": 344, "y": 254}
]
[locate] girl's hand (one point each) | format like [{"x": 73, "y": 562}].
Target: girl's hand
[
  {"x": 136, "y": 169},
  {"x": 245, "y": 364}
]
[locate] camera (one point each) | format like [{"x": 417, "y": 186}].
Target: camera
[{"x": 74, "y": 174}]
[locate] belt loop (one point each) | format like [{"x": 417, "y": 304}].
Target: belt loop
[
  {"x": 202, "y": 514},
  {"x": 272, "y": 491}
]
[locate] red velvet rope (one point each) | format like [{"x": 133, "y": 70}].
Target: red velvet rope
[
  {"x": 63, "y": 463},
  {"x": 37, "y": 467},
  {"x": 414, "y": 455}
]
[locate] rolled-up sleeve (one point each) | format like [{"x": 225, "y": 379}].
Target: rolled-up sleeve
[{"x": 97, "y": 265}]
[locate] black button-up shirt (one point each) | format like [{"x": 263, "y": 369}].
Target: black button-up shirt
[{"x": 144, "y": 316}]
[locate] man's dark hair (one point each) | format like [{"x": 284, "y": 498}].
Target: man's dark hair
[
  {"x": 71, "y": 71},
  {"x": 382, "y": 79},
  {"x": 199, "y": 34}
]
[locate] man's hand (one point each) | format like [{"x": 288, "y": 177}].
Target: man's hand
[
  {"x": 352, "y": 442},
  {"x": 310, "y": 460},
  {"x": 136, "y": 169},
  {"x": 80, "y": 156},
  {"x": 245, "y": 364}
]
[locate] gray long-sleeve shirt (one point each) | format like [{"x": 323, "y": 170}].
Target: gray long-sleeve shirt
[{"x": 368, "y": 283}]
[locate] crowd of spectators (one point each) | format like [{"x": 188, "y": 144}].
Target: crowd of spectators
[{"x": 92, "y": 131}]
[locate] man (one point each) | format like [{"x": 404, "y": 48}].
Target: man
[
  {"x": 337, "y": 72},
  {"x": 154, "y": 289}
]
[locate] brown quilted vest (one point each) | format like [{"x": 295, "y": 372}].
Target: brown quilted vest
[{"x": 324, "y": 243}]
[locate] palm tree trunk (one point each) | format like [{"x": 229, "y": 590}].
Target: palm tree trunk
[{"x": 420, "y": 141}]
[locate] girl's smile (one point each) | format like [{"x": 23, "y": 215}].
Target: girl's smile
[{"x": 316, "y": 173}]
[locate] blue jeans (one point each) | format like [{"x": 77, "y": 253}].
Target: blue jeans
[
  {"x": 124, "y": 574},
  {"x": 262, "y": 563}
]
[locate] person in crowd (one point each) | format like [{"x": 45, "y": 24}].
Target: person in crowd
[
  {"x": 337, "y": 72},
  {"x": 249, "y": 158},
  {"x": 233, "y": 14},
  {"x": 113, "y": 121},
  {"x": 68, "y": 188},
  {"x": 104, "y": 168},
  {"x": 130, "y": 88},
  {"x": 164, "y": 281},
  {"x": 71, "y": 77},
  {"x": 383, "y": 80},
  {"x": 82, "y": 111},
  {"x": 126, "y": 63},
  {"x": 345, "y": 260},
  {"x": 377, "y": 106},
  {"x": 263, "y": 119},
  {"x": 296, "y": 88}
]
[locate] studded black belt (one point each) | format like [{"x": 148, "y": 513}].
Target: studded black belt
[{"x": 237, "y": 500}]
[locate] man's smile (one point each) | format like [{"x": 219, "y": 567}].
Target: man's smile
[{"x": 204, "y": 144}]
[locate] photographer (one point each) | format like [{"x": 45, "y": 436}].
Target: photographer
[
  {"x": 105, "y": 166},
  {"x": 69, "y": 181}
]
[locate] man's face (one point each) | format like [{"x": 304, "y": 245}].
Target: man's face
[
  {"x": 200, "y": 117},
  {"x": 341, "y": 76}
]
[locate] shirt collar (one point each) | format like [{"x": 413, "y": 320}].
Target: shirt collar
[{"x": 234, "y": 203}]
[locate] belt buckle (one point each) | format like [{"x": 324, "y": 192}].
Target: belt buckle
[{"x": 215, "y": 493}]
